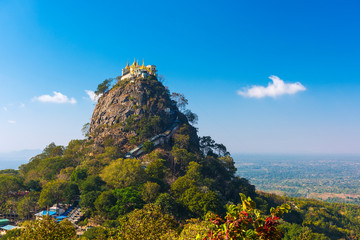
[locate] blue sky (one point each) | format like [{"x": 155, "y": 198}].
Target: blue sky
[{"x": 213, "y": 52}]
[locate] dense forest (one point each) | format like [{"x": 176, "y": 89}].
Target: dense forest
[{"x": 184, "y": 188}]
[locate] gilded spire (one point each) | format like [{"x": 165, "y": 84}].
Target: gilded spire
[
  {"x": 127, "y": 65},
  {"x": 137, "y": 64},
  {"x": 143, "y": 66},
  {"x": 134, "y": 64}
]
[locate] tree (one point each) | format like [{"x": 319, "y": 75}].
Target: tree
[
  {"x": 147, "y": 223},
  {"x": 71, "y": 192},
  {"x": 206, "y": 144},
  {"x": 127, "y": 199},
  {"x": 180, "y": 100},
  {"x": 105, "y": 202},
  {"x": 191, "y": 117},
  {"x": 52, "y": 193},
  {"x": 87, "y": 199},
  {"x": 104, "y": 86},
  {"x": 85, "y": 129},
  {"x": 194, "y": 229},
  {"x": 156, "y": 169},
  {"x": 9, "y": 184},
  {"x": 221, "y": 149},
  {"x": 92, "y": 183},
  {"x": 27, "y": 205},
  {"x": 181, "y": 159},
  {"x": 150, "y": 191},
  {"x": 124, "y": 173},
  {"x": 148, "y": 146},
  {"x": 12, "y": 234},
  {"x": 52, "y": 150},
  {"x": 48, "y": 229},
  {"x": 167, "y": 204},
  {"x": 78, "y": 175}
]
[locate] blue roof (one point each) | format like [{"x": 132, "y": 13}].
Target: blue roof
[
  {"x": 8, "y": 227},
  {"x": 61, "y": 217},
  {"x": 43, "y": 213}
]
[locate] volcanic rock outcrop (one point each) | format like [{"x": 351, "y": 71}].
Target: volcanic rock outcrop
[{"x": 135, "y": 110}]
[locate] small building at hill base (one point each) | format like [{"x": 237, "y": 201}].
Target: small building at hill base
[
  {"x": 4, "y": 229},
  {"x": 39, "y": 215}
]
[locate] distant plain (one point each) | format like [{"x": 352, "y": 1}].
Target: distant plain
[{"x": 333, "y": 178}]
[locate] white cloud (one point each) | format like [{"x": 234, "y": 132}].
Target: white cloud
[
  {"x": 274, "y": 89},
  {"x": 93, "y": 96},
  {"x": 22, "y": 105},
  {"x": 5, "y": 108},
  {"x": 11, "y": 122},
  {"x": 56, "y": 98}
]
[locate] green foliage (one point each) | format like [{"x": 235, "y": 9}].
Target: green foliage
[
  {"x": 85, "y": 130},
  {"x": 78, "y": 175},
  {"x": 181, "y": 159},
  {"x": 99, "y": 233},
  {"x": 48, "y": 229},
  {"x": 51, "y": 193},
  {"x": 92, "y": 183},
  {"x": 77, "y": 149},
  {"x": 167, "y": 204},
  {"x": 124, "y": 173},
  {"x": 71, "y": 192},
  {"x": 209, "y": 147},
  {"x": 180, "y": 100},
  {"x": 199, "y": 202},
  {"x": 145, "y": 127},
  {"x": 156, "y": 169},
  {"x": 103, "y": 87},
  {"x": 33, "y": 185},
  {"x": 12, "y": 234},
  {"x": 47, "y": 165},
  {"x": 148, "y": 221},
  {"x": 191, "y": 117},
  {"x": 193, "y": 193},
  {"x": 182, "y": 139},
  {"x": 9, "y": 184},
  {"x": 26, "y": 206},
  {"x": 194, "y": 229},
  {"x": 150, "y": 191},
  {"x": 87, "y": 199},
  {"x": 105, "y": 202},
  {"x": 127, "y": 199},
  {"x": 9, "y": 171},
  {"x": 148, "y": 146},
  {"x": 317, "y": 219}
]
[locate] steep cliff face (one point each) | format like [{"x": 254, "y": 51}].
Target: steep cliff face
[{"x": 133, "y": 111}]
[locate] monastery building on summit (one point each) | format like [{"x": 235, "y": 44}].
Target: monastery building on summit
[{"x": 135, "y": 70}]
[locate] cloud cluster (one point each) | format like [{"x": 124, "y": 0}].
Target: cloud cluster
[
  {"x": 56, "y": 98},
  {"x": 93, "y": 96},
  {"x": 274, "y": 89},
  {"x": 11, "y": 122}
]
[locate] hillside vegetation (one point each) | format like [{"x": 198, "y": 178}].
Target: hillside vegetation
[{"x": 184, "y": 188}]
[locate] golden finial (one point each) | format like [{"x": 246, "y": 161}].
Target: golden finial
[
  {"x": 143, "y": 66},
  {"x": 134, "y": 64},
  {"x": 127, "y": 65},
  {"x": 137, "y": 64}
]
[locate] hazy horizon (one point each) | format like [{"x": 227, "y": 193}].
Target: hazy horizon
[{"x": 12, "y": 160}]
